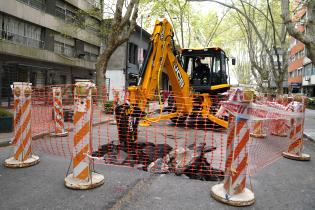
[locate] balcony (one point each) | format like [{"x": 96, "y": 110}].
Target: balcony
[
  {"x": 20, "y": 39},
  {"x": 37, "y": 4}
]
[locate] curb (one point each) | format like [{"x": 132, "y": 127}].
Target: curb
[
  {"x": 312, "y": 139},
  {"x": 5, "y": 143},
  {"x": 41, "y": 135}
]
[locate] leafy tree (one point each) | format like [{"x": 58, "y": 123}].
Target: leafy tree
[
  {"x": 306, "y": 37},
  {"x": 178, "y": 13},
  {"x": 116, "y": 31},
  {"x": 270, "y": 41}
]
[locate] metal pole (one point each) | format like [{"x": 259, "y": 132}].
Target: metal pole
[{"x": 141, "y": 28}]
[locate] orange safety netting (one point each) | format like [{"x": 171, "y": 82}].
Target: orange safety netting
[{"x": 189, "y": 144}]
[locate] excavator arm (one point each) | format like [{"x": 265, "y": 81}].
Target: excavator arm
[{"x": 161, "y": 58}]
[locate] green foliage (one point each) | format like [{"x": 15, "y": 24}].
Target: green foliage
[
  {"x": 311, "y": 103},
  {"x": 5, "y": 113},
  {"x": 109, "y": 107}
]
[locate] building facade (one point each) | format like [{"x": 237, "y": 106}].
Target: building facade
[
  {"x": 41, "y": 43},
  {"x": 301, "y": 72},
  {"x": 124, "y": 65}
]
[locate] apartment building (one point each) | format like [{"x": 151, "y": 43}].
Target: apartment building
[
  {"x": 42, "y": 42},
  {"x": 301, "y": 72}
]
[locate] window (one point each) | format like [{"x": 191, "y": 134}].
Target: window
[
  {"x": 33, "y": 78},
  {"x": 64, "y": 45},
  {"x": 37, "y": 4},
  {"x": 65, "y": 11},
  {"x": 133, "y": 53},
  {"x": 63, "y": 79},
  {"x": 20, "y": 32},
  {"x": 308, "y": 70},
  {"x": 91, "y": 52}
]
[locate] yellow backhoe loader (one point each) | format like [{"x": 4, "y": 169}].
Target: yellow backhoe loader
[{"x": 195, "y": 76}]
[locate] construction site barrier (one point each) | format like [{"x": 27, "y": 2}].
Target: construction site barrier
[
  {"x": 58, "y": 113},
  {"x": 82, "y": 177},
  {"x": 295, "y": 149},
  {"x": 187, "y": 145},
  {"x": 22, "y": 140}
]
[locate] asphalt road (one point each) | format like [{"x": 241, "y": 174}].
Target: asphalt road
[{"x": 286, "y": 184}]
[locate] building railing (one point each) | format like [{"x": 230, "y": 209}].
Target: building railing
[
  {"x": 90, "y": 57},
  {"x": 21, "y": 39},
  {"x": 37, "y": 4},
  {"x": 64, "y": 49}
]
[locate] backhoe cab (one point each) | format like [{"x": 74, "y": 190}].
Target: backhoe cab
[{"x": 207, "y": 69}]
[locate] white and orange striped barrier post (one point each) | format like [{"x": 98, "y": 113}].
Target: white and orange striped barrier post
[
  {"x": 22, "y": 139},
  {"x": 280, "y": 128},
  {"x": 58, "y": 113},
  {"x": 233, "y": 190},
  {"x": 82, "y": 177},
  {"x": 258, "y": 129},
  {"x": 295, "y": 149}
]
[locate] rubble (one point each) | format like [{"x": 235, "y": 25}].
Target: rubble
[{"x": 162, "y": 158}]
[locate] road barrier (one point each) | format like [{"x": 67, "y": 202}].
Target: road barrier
[
  {"x": 22, "y": 140},
  {"x": 258, "y": 129},
  {"x": 233, "y": 190},
  {"x": 189, "y": 145},
  {"x": 82, "y": 177},
  {"x": 58, "y": 113},
  {"x": 295, "y": 149},
  {"x": 280, "y": 128}
]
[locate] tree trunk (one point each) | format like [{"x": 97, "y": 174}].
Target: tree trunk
[
  {"x": 279, "y": 87},
  {"x": 100, "y": 78}
]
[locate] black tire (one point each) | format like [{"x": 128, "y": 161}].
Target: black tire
[{"x": 179, "y": 120}]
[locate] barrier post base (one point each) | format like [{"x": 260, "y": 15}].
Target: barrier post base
[
  {"x": 13, "y": 163},
  {"x": 73, "y": 183},
  {"x": 245, "y": 198},
  {"x": 260, "y": 135},
  {"x": 279, "y": 134},
  {"x": 302, "y": 157},
  {"x": 113, "y": 122},
  {"x": 63, "y": 134}
]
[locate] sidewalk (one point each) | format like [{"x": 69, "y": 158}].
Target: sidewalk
[
  {"x": 5, "y": 138},
  {"x": 309, "y": 124},
  {"x": 284, "y": 185},
  {"x": 101, "y": 118}
]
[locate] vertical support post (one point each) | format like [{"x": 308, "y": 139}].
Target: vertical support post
[
  {"x": 280, "y": 128},
  {"x": 295, "y": 149},
  {"x": 82, "y": 177},
  {"x": 58, "y": 113},
  {"x": 233, "y": 190},
  {"x": 258, "y": 129},
  {"x": 22, "y": 139}
]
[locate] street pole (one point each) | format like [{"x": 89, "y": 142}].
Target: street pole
[{"x": 141, "y": 28}]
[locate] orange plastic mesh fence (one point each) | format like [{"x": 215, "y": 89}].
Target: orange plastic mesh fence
[{"x": 190, "y": 144}]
